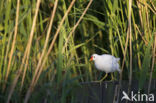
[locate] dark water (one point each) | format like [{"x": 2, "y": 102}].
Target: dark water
[{"x": 106, "y": 92}]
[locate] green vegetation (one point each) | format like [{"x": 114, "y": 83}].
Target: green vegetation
[{"x": 45, "y": 45}]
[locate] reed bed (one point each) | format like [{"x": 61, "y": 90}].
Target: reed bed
[{"x": 45, "y": 45}]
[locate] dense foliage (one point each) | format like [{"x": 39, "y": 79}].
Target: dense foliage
[{"x": 46, "y": 64}]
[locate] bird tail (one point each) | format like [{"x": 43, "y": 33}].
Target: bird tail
[
  {"x": 118, "y": 69},
  {"x": 117, "y": 59}
]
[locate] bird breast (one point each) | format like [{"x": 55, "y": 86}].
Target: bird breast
[{"x": 103, "y": 65}]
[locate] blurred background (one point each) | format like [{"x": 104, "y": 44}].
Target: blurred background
[{"x": 45, "y": 45}]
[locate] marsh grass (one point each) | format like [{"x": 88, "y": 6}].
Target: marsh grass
[{"x": 45, "y": 46}]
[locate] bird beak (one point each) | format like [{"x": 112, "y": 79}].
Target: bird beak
[{"x": 91, "y": 59}]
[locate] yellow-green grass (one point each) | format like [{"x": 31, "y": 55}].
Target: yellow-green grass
[{"x": 45, "y": 46}]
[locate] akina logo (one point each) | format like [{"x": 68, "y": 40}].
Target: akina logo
[{"x": 137, "y": 97}]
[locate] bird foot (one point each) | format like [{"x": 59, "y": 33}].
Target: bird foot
[{"x": 113, "y": 79}]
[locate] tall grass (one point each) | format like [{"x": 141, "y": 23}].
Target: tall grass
[{"x": 45, "y": 46}]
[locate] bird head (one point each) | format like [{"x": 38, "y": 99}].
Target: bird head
[{"x": 93, "y": 57}]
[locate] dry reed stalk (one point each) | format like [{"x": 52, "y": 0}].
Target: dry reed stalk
[
  {"x": 140, "y": 13},
  {"x": 130, "y": 45},
  {"x": 147, "y": 5},
  {"x": 6, "y": 57},
  {"x": 52, "y": 43},
  {"x": 154, "y": 8},
  {"x": 26, "y": 53},
  {"x": 45, "y": 45},
  {"x": 48, "y": 33},
  {"x": 123, "y": 63},
  {"x": 75, "y": 26},
  {"x": 13, "y": 45},
  {"x": 145, "y": 41},
  {"x": 147, "y": 21},
  {"x": 30, "y": 39},
  {"x": 152, "y": 68},
  {"x": 49, "y": 50},
  {"x": 124, "y": 57}
]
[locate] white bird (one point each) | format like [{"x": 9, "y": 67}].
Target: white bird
[{"x": 106, "y": 63}]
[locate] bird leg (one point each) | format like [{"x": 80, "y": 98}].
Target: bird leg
[
  {"x": 104, "y": 77},
  {"x": 112, "y": 77}
]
